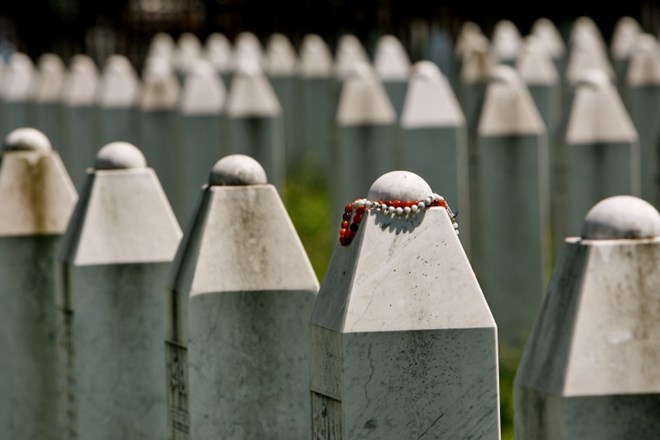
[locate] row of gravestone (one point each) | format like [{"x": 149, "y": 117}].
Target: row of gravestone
[
  {"x": 504, "y": 162},
  {"x": 100, "y": 342}
]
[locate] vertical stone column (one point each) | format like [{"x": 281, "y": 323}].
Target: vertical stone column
[
  {"x": 118, "y": 96},
  {"x": 48, "y": 107},
  {"x": 392, "y": 65},
  {"x": 240, "y": 301},
  {"x": 589, "y": 369},
  {"x": 403, "y": 345},
  {"x": 115, "y": 257},
  {"x": 36, "y": 201}
]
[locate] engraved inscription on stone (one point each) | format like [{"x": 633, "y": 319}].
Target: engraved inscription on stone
[
  {"x": 326, "y": 418},
  {"x": 177, "y": 391}
]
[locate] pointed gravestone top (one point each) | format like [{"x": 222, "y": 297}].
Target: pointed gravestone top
[
  {"x": 162, "y": 45},
  {"x": 597, "y": 112},
  {"x": 625, "y": 33},
  {"x": 468, "y": 30},
  {"x": 315, "y": 57},
  {"x": 644, "y": 63},
  {"x": 26, "y": 139},
  {"x": 430, "y": 101},
  {"x": 547, "y": 31},
  {"x": 535, "y": 64},
  {"x": 119, "y": 155},
  {"x": 18, "y": 78},
  {"x": 247, "y": 49},
  {"x": 187, "y": 51},
  {"x": 119, "y": 86},
  {"x": 161, "y": 88},
  {"x": 51, "y": 78},
  {"x": 81, "y": 82},
  {"x": 218, "y": 52},
  {"x": 508, "y": 108},
  {"x": 391, "y": 61},
  {"x": 251, "y": 94},
  {"x": 586, "y": 27},
  {"x": 203, "y": 90},
  {"x": 621, "y": 217},
  {"x": 507, "y": 41},
  {"x": 363, "y": 99},
  {"x": 349, "y": 52},
  {"x": 281, "y": 58},
  {"x": 586, "y": 53},
  {"x": 237, "y": 170},
  {"x": 477, "y": 60}
]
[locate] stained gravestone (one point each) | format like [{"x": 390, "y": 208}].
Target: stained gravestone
[
  {"x": 626, "y": 32},
  {"x": 118, "y": 95},
  {"x": 506, "y": 42},
  {"x": 513, "y": 251},
  {"x": 366, "y": 146},
  {"x": 600, "y": 150},
  {"x": 218, "y": 52},
  {"x": 16, "y": 93},
  {"x": 464, "y": 41},
  {"x": 203, "y": 139},
  {"x": 78, "y": 98},
  {"x": 392, "y": 65},
  {"x": 158, "y": 127},
  {"x": 589, "y": 369},
  {"x": 400, "y": 313},
  {"x": 642, "y": 91},
  {"x": 254, "y": 117},
  {"x": 318, "y": 101},
  {"x": 281, "y": 62},
  {"x": 548, "y": 33},
  {"x": 115, "y": 257},
  {"x": 240, "y": 313},
  {"x": 434, "y": 138},
  {"x": 36, "y": 200},
  {"x": 48, "y": 108}
]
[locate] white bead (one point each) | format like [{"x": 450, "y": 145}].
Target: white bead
[
  {"x": 369, "y": 204},
  {"x": 455, "y": 225},
  {"x": 421, "y": 205},
  {"x": 407, "y": 210},
  {"x": 428, "y": 201},
  {"x": 399, "y": 210},
  {"x": 383, "y": 206},
  {"x": 391, "y": 209},
  {"x": 414, "y": 208}
]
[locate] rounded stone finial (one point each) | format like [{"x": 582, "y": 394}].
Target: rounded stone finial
[
  {"x": 237, "y": 170},
  {"x": 621, "y": 217},
  {"x": 119, "y": 155},
  {"x": 399, "y": 185},
  {"x": 26, "y": 139}
]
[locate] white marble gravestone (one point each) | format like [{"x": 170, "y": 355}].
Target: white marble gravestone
[
  {"x": 79, "y": 93},
  {"x": 434, "y": 139},
  {"x": 247, "y": 49},
  {"x": 187, "y": 50},
  {"x": 624, "y": 36},
  {"x": 115, "y": 257},
  {"x": 403, "y": 345},
  {"x": 506, "y": 42},
  {"x": 203, "y": 139},
  {"x": 586, "y": 51},
  {"x": 48, "y": 107},
  {"x": 118, "y": 96},
  {"x": 36, "y": 201},
  {"x": 642, "y": 93},
  {"x": 549, "y": 34},
  {"x": 590, "y": 368},
  {"x": 241, "y": 294},
  {"x": 254, "y": 119},
  {"x": 392, "y": 65},
  {"x": 219, "y": 53},
  {"x": 515, "y": 206},
  {"x": 349, "y": 52},
  {"x": 16, "y": 91}
]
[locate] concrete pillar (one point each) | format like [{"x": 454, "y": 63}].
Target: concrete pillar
[
  {"x": 434, "y": 139},
  {"x": 203, "y": 139},
  {"x": 513, "y": 251},
  {"x": 79, "y": 95},
  {"x": 16, "y": 91},
  {"x": 115, "y": 257},
  {"x": 367, "y": 146},
  {"x": 392, "y": 65},
  {"x": 402, "y": 342},
  {"x": 255, "y": 123},
  {"x": 48, "y": 108},
  {"x": 240, "y": 301},
  {"x": 218, "y": 52},
  {"x": 119, "y": 94},
  {"x": 589, "y": 369},
  {"x": 642, "y": 91},
  {"x": 318, "y": 101},
  {"x": 36, "y": 200},
  {"x": 601, "y": 149},
  {"x": 548, "y": 33},
  {"x": 506, "y": 42},
  {"x": 281, "y": 62},
  {"x": 626, "y": 32},
  {"x": 159, "y": 128}
]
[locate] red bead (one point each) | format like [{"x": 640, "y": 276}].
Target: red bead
[
  {"x": 443, "y": 203},
  {"x": 407, "y": 204},
  {"x": 437, "y": 202},
  {"x": 344, "y": 224},
  {"x": 354, "y": 227},
  {"x": 346, "y": 217},
  {"x": 348, "y": 208},
  {"x": 396, "y": 204},
  {"x": 357, "y": 219},
  {"x": 343, "y": 242},
  {"x": 350, "y": 234},
  {"x": 359, "y": 211},
  {"x": 342, "y": 232}
]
